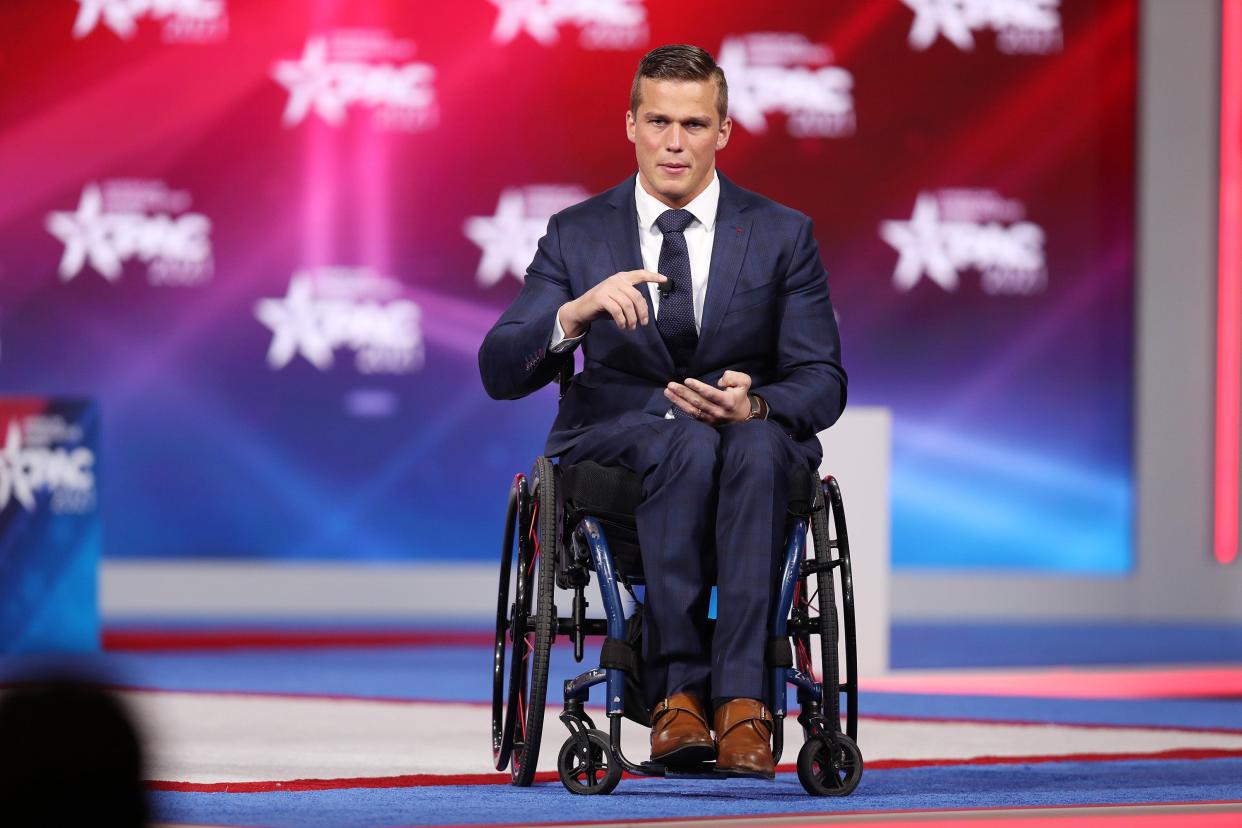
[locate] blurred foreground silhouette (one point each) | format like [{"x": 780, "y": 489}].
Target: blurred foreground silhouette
[{"x": 69, "y": 756}]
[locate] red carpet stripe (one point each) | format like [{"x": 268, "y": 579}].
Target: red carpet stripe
[
  {"x": 1215, "y": 682},
  {"x": 429, "y": 779},
  {"x": 1163, "y": 815},
  {"x": 155, "y": 640}
]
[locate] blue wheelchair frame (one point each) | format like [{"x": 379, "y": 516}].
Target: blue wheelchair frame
[
  {"x": 590, "y": 533},
  {"x": 592, "y": 761}
]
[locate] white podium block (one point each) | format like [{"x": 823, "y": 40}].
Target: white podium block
[{"x": 857, "y": 452}]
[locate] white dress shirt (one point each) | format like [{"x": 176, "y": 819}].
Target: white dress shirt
[{"x": 699, "y": 236}]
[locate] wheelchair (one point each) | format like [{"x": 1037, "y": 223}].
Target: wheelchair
[{"x": 561, "y": 524}]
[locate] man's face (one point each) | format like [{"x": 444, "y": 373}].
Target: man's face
[{"x": 676, "y": 132}]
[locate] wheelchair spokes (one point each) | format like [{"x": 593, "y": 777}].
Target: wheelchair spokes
[
  {"x": 830, "y": 764},
  {"x": 522, "y": 710},
  {"x": 528, "y": 638},
  {"x": 534, "y": 537},
  {"x": 805, "y": 610},
  {"x": 805, "y": 664},
  {"x": 502, "y": 703},
  {"x": 533, "y": 622}
]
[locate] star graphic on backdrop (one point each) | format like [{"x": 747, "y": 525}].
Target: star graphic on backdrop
[
  {"x": 117, "y": 16},
  {"x": 922, "y": 245},
  {"x": 936, "y": 17},
  {"x": 14, "y": 476},
  {"x": 85, "y": 236},
  {"x": 745, "y": 104},
  {"x": 538, "y": 18},
  {"x": 294, "y": 321},
  {"x": 506, "y": 238},
  {"x": 309, "y": 81}
]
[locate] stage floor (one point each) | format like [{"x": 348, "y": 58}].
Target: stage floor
[{"x": 394, "y": 730}]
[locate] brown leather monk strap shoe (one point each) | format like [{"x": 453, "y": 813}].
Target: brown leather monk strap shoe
[
  {"x": 744, "y": 739},
  {"x": 679, "y": 732}
]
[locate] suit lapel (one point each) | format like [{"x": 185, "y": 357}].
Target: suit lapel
[
  {"x": 728, "y": 251},
  {"x": 626, "y": 253}
]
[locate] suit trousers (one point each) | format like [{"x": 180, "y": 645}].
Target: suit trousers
[{"x": 714, "y": 503}]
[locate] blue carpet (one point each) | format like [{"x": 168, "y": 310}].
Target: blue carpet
[
  {"x": 1157, "y": 712},
  {"x": 442, "y": 673},
  {"x": 1061, "y": 783},
  {"x": 927, "y": 645},
  {"x": 463, "y": 674}
]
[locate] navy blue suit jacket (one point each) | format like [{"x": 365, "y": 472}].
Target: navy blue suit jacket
[{"x": 767, "y": 314}]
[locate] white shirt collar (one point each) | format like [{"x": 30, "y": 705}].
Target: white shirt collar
[{"x": 702, "y": 208}]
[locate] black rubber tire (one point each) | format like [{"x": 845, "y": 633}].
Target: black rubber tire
[
  {"x": 544, "y": 547},
  {"x": 832, "y": 493},
  {"x": 590, "y": 770},
  {"x": 830, "y": 764},
  {"x": 503, "y": 721},
  {"x": 825, "y": 587},
  {"x": 518, "y": 620}
]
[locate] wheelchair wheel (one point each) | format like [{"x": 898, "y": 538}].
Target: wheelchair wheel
[
  {"x": 825, "y": 589},
  {"x": 832, "y": 493},
  {"x": 586, "y": 764},
  {"x": 504, "y": 709},
  {"x": 830, "y": 764},
  {"x": 533, "y": 625}
]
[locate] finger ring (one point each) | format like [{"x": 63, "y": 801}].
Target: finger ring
[{"x": 698, "y": 413}]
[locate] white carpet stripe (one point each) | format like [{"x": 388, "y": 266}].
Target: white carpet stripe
[{"x": 202, "y": 737}]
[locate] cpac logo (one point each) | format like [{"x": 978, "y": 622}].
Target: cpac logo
[
  {"x": 64, "y": 472},
  {"x": 334, "y": 75},
  {"x": 509, "y": 238},
  {"x": 958, "y": 230},
  {"x": 772, "y": 72},
  {"x": 330, "y": 308},
  {"x": 1021, "y": 26},
  {"x": 184, "y": 20},
  {"x": 605, "y": 24},
  {"x": 134, "y": 219}
]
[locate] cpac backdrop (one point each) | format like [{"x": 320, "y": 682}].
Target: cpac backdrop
[
  {"x": 49, "y": 528},
  {"x": 268, "y": 236}
]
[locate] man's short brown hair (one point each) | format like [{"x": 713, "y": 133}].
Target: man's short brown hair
[{"x": 681, "y": 62}]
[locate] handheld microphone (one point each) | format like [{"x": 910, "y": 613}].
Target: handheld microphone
[{"x": 666, "y": 288}]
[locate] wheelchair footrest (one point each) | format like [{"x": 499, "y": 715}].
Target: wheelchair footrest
[{"x": 707, "y": 770}]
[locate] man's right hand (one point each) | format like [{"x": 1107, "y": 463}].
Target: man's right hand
[{"x": 617, "y": 296}]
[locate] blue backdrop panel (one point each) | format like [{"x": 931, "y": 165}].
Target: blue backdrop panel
[{"x": 49, "y": 525}]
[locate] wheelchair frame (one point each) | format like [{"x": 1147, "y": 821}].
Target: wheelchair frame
[{"x": 592, "y": 761}]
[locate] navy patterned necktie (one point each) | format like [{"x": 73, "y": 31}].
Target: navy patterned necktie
[{"x": 675, "y": 317}]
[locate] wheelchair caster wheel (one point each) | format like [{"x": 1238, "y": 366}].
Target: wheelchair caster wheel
[
  {"x": 587, "y": 766},
  {"x": 830, "y": 764}
]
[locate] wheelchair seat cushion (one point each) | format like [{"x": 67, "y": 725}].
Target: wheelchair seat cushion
[
  {"x": 608, "y": 492},
  {"x": 612, "y": 493},
  {"x": 803, "y": 488}
]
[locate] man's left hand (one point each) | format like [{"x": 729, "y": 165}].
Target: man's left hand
[{"x": 730, "y": 403}]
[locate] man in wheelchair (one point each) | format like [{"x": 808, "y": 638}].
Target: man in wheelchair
[{"x": 711, "y": 361}]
